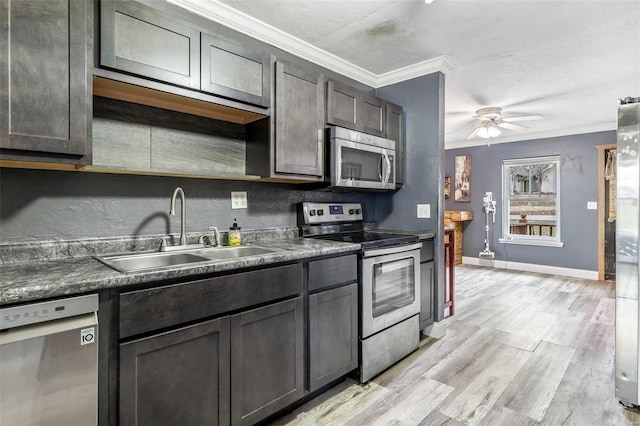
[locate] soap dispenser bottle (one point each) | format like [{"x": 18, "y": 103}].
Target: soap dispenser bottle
[{"x": 234, "y": 234}]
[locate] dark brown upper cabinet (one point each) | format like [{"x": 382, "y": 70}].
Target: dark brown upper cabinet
[
  {"x": 394, "y": 115},
  {"x": 138, "y": 40},
  {"x": 354, "y": 109},
  {"x": 45, "y": 91},
  {"x": 235, "y": 72},
  {"x": 299, "y": 117}
]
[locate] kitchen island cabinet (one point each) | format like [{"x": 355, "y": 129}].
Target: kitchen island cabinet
[{"x": 45, "y": 91}]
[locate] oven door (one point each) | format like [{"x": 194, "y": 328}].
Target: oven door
[
  {"x": 358, "y": 165},
  {"x": 390, "y": 286}
]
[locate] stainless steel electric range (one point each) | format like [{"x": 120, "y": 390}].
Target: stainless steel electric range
[{"x": 389, "y": 282}]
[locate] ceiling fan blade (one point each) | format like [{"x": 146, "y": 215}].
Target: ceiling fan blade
[
  {"x": 512, "y": 126},
  {"x": 474, "y": 133},
  {"x": 523, "y": 118}
]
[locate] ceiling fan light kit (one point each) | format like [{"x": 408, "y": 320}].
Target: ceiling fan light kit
[
  {"x": 488, "y": 130},
  {"x": 492, "y": 120}
]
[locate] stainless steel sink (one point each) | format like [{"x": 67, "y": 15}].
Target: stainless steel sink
[
  {"x": 233, "y": 252},
  {"x": 138, "y": 262},
  {"x": 131, "y": 262}
]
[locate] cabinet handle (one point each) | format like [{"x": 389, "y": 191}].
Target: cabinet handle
[{"x": 320, "y": 147}]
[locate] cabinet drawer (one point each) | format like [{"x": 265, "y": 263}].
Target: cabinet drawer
[
  {"x": 328, "y": 272},
  {"x": 151, "y": 309}
]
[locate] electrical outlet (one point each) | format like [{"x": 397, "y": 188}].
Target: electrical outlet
[
  {"x": 238, "y": 200},
  {"x": 424, "y": 211},
  {"x": 592, "y": 205}
]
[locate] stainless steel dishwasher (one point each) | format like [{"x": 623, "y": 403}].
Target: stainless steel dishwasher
[{"x": 49, "y": 363}]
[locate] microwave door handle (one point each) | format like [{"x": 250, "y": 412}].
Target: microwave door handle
[
  {"x": 388, "y": 173},
  {"x": 380, "y": 167}
]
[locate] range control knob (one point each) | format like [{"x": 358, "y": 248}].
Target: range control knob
[
  {"x": 358, "y": 211},
  {"x": 312, "y": 212},
  {"x": 320, "y": 212},
  {"x": 352, "y": 211}
]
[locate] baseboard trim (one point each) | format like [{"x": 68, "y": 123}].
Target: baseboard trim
[
  {"x": 437, "y": 330},
  {"x": 531, "y": 267}
]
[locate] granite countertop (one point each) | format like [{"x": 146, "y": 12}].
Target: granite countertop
[{"x": 31, "y": 280}]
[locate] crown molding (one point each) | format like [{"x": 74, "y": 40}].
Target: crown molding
[
  {"x": 440, "y": 64},
  {"x": 532, "y": 136},
  {"x": 250, "y": 26}
]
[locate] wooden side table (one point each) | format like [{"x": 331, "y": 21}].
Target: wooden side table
[{"x": 455, "y": 219}]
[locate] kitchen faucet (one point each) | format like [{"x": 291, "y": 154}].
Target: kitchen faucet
[{"x": 183, "y": 212}]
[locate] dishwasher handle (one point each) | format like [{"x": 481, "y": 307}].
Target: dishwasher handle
[
  {"x": 51, "y": 310},
  {"x": 87, "y": 324}
]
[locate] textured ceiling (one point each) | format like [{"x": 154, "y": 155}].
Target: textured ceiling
[{"x": 567, "y": 60}]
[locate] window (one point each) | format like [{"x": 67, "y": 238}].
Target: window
[{"x": 531, "y": 201}]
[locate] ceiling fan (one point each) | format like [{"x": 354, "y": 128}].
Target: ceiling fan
[{"x": 491, "y": 121}]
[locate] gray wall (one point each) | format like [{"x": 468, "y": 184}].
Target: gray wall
[
  {"x": 579, "y": 184},
  {"x": 38, "y": 204},
  {"x": 423, "y": 101}
]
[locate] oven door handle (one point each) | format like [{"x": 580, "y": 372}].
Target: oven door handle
[{"x": 391, "y": 250}]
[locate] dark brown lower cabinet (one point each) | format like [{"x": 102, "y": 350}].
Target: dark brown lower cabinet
[
  {"x": 426, "y": 294},
  {"x": 333, "y": 334},
  {"x": 180, "y": 377},
  {"x": 267, "y": 360}
]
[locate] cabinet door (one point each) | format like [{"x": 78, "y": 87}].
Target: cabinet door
[
  {"x": 136, "y": 39},
  {"x": 342, "y": 105},
  {"x": 45, "y": 98},
  {"x": 267, "y": 360},
  {"x": 426, "y": 294},
  {"x": 299, "y": 122},
  {"x": 234, "y": 72},
  {"x": 371, "y": 115},
  {"x": 178, "y": 377},
  {"x": 395, "y": 131},
  {"x": 333, "y": 334}
]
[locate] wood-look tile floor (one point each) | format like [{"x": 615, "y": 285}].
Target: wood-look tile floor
[{"x": 522, "y": 349}]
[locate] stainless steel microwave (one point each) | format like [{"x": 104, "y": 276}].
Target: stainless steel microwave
[{"x": 361, "y": 161}]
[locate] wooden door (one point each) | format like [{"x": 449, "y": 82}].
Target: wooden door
[
  {"x": 235, "y": 72},
  {"x": 371, "y": 115},
  {"x": 333, "y": 334},
  {"x": 342, "y": 105},
  {"x": 178, "y": 377},
  {"x": 394, "y": 116},
  {"x": 45, "y": 98},
  {"x": 267, "y": 360},
  {"x": 139, "y": 40},
  {"x": 299, "y": 122}
]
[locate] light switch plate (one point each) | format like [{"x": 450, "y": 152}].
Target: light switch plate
[
  {"x": 424, "y": 211},
  {"x": 238, "y": 200},
  {"x": 592, "y": 205}
]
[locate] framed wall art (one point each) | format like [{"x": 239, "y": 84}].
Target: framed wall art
[
  {"x": 447, "y": 187},
  {"x": 462, "y": 179}
]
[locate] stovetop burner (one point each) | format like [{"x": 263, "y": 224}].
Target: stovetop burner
[{"x": 370, "y": 239}]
